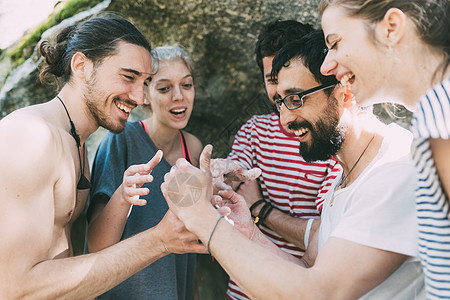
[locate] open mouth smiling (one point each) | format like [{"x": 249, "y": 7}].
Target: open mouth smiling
[
  {"x": 178, "y": 111},
  {"x": 301, "y": 132},
  {"x": 348, "y": 78},
  {"x": 123, "y": 107}
]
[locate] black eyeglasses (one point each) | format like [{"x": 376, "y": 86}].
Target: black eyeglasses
[{"x": 295, "y": 100}]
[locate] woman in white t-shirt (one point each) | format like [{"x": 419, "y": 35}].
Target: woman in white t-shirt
[{"x": 399, "y": 51}]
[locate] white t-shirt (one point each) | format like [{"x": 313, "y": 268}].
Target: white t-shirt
[{"x": 378, "y": 210}]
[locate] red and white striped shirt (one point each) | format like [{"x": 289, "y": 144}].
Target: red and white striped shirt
[{"x": 287, "y": 181}]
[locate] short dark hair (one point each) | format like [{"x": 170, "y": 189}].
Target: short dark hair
[
  {"x": 310, "y": 50},
  {"x": 97, "y": 38},
  {"x": 275, "y": 35}
]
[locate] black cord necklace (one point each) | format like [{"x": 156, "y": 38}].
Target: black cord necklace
[
  {"x": 83, "y": 183},
  {"x": 344, "y": 178}
]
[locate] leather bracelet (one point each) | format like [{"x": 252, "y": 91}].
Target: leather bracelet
[
  {"x": 267, "y": 212},
  {"x": 211, "y": 234},
  {"x": 263, "y": 212},
  {"x": 254, "y": 205}
]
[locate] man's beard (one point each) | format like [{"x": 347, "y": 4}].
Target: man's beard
[
  {"x": 92, "y": 99},
  {"x": 327, "y": 136}
]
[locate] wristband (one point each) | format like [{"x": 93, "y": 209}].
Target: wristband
[
  {"x": 267, "y": 212},
  {"x": 264, "y": 212},
  {"x": 307, "y": 232},
  {"x": 211, "y": 234},
  {"x": 254, "y": 205},
  {"x": 261, "y": 213}
]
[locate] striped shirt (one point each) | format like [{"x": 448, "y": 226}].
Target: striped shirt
[
  {"x": 287, "y": 181},
  {"x": 432, "y": 120}
]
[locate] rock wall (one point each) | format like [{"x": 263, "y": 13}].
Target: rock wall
[{"x": 220, "y": 36}]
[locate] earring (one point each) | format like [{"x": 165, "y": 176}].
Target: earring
[{"x": 389, "y": 46}]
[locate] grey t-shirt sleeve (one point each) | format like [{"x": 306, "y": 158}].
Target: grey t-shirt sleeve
[{"x": 110, "y": 163}]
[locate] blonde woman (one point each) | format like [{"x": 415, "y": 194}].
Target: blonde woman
[{"x": 399, "y": 51}]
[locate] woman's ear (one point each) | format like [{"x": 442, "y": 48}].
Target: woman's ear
[{"x": 391, "y": 29}]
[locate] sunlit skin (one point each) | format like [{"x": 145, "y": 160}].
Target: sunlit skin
[
  {"x": 381, "y": 62},
  {"x": 364, "y": 267},
  {"x": 271, "y": 86},
  {"x": 171, "y": 95},
  {"x": 117, "y": 86},
  {"x": 393, "y": 65},
  {"x": 353, "y": 56},
  {"x": 39, "y": 206},
  {"x": 296, "y": 78}
]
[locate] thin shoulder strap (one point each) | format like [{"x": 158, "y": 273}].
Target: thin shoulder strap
[
  {"x": 186, "y": 154},
  {"x": 143, "y": 125}
]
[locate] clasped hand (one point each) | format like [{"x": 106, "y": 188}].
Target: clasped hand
[{"x": 226, "y": 171}]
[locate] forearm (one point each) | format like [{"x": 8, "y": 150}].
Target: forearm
[
  {"x": 87, "y": 276},
  {"x": 262, "y": 240},
  {"x": 257, "y": 270},
  {"x": 107, "y": 224}
]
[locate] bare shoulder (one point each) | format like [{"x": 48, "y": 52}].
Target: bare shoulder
[
  {"x": 29, "y": 143},
  {"x": 195, "y": 147},
  {"x": 29, "y": 172}
]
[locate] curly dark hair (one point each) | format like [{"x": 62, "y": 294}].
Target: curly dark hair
[{"x": 275, "y": 35}]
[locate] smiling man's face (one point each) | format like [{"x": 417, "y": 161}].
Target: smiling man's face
[{"x": 316, "y": 123}]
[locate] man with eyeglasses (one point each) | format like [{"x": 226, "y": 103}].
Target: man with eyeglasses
[
  {"x": 287, "y": 198},
  {"x": 367, "y": 238}
]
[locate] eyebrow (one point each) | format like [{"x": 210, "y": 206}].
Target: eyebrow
[
  {"x": 137, "y": 73},
  {"x": 165, "y": 79},
  {"x": 292, "y": 91},
  {"x": 329, "y": 37}
]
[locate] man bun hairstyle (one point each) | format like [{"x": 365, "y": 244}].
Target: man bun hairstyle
[
  {"x": 54, "y": 56},
  {"x": 96, "y": 38}
]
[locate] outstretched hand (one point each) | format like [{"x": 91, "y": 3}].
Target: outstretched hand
[
  {"x": 136, "y": 176},
  {"x": 250, "y": 191},
  {"x": 227, "y": 171}
]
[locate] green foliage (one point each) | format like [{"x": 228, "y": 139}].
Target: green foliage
[{"x": 64, "y": 10}]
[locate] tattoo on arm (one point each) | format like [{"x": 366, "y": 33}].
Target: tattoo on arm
[{"x": 184, "y": 189}]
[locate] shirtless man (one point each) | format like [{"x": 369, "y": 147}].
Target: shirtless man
[{"x": 103, "y": 64}]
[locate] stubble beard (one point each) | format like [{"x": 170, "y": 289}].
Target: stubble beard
[{"x": 92, "y": 97}]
